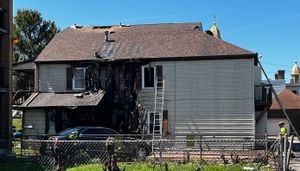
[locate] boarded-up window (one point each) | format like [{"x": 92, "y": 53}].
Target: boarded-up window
[
  {"x": 69, "y": 78},
  {"x": 159, "y": 72}
]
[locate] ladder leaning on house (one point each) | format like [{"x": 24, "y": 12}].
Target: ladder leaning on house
[{"x": 159, "y": 96}]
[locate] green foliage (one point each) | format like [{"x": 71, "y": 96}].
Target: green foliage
[
  {"x": 32, "y": 33},
  {"x": 190, "y": 140},
  {"x": 171, "y": 167},
  {"x": 17, "y": 122}
]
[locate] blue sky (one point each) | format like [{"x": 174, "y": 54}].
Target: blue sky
[{"x": 270, "y": 28}]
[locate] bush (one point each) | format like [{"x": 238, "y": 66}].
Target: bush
[{"x": 171, "y": 167}]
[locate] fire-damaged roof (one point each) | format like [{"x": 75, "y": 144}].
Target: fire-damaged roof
[
  {"x": 152, "y": 41},
  {"x": 40, "y": 100},
  {"x": 288, "y": 99}
]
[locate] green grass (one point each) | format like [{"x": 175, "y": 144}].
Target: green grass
[
  {"x": 17, "y": 122},
  {"x": 20, "y": 167},
  {"x": 171, "y": 167}
]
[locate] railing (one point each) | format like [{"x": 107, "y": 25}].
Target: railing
[
  {"x": 263, "y": 97},
  {"x": 20, "y": 96}
]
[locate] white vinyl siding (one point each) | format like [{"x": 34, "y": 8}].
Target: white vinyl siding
[
  {"x": 52, "y": 77},
  {"x": 257, "y": 75},
  {"x": 207, "y": 96},
  {"x": 34, "y": 122}
]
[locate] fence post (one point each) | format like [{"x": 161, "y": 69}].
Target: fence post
[
  {"x": 21, "y": 146},
  {"x": 266, "y": 140},
  {"x": 280, "y": 163},
  {"x": 289, "y": 152},
  {"x": 200, "y": 144},
  {"x": 160, "y": 155},
  {"x": 284, "y": 152}
]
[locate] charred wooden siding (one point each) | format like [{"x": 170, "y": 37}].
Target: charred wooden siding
[
  {"x": 34, "y": 122},
  {"x": 208, "y": 96},
  {"x": 52, "y": 77}
]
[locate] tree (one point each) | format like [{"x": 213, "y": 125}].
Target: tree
[{"x": 31, "y": 34}]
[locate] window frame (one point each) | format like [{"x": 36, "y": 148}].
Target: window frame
[
  {"x": 74, "y": 79},
  {"x": 143, "y": 76},
  {"x": 150, "y": 122}
]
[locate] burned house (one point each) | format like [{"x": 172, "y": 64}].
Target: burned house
[{"x": 156, "y": 79}]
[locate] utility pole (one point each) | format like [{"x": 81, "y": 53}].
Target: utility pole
[{"x": 5, "y": 75}]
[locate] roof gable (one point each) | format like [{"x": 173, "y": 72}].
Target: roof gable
[{"x": 136, "y": 42}]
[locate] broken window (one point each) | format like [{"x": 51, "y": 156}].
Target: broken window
[
  {"x": 148, "y": 76},
  {"x": 79, "y": 79}
]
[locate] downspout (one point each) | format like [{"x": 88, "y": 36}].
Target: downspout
[{"x": 36, "y": 78}]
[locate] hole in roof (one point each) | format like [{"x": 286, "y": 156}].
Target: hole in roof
[{"x": 102, "y": 27}]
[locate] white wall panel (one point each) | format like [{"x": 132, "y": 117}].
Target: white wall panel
[
  {"x": 34, "y": 122},
  {"x": 209, "y": 96}
]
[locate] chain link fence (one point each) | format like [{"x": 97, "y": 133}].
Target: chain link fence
[{"x": 62, "y": 154}]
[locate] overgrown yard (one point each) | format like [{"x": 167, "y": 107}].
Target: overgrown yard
[{"x": 156, "y": 167}]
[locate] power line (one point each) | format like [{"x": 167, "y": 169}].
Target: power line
[{"x": 274, "y": 64}]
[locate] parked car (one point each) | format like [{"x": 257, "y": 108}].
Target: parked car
[
  {"x": 91, "y": 142},
  {"x": 296, "y": 150},
  {"x": 18, "y": 134}
]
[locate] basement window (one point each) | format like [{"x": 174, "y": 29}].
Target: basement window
[
  {"x": 148, "y": 76},
  {"x": 79, "y": 79}
]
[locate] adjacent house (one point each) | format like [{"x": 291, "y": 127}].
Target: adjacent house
[
  {"x": 159, "y": 79},
  {"x": 291, "y": 103},
  {"x": 290, "y": 99}
]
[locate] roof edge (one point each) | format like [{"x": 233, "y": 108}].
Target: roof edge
[{"x": 219, "y": 57}]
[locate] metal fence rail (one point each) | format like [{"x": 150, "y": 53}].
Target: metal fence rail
[{"x": 62, "y": 154}]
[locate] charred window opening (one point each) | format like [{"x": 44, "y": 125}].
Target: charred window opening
[{"x": 148, "y": 76}]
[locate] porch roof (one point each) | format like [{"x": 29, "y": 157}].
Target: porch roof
[
  {"x": 70, "y": 100},
  {"x": 24, "y": 66}
]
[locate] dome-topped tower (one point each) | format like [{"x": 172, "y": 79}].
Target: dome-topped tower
[
  {"x": 295, "y": 73},
  {"x": 215, "y": 30},
  {"x": 295, "y": 69}
]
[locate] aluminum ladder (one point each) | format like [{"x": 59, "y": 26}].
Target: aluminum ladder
[{"x": 158, "y": 108}]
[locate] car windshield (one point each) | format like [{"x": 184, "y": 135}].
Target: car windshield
[{"x": 68, "y": 131}]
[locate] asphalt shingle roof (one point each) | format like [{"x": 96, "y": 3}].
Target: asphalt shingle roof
[
  {"x": 288, "y": 99},
  {"x": 39, "y": 100},
  {"x": 154, "y": 41}
]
